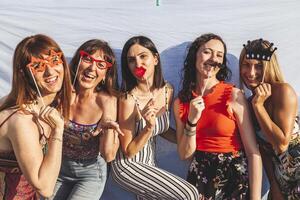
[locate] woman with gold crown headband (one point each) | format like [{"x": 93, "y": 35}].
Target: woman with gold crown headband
[
  {"x": 274, "y": 106},
  {"x": 31, "y": 122},
  {"x": 91, "y": 126}
]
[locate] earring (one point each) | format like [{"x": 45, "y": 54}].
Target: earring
[
  {"x": 102, "y": 82},
  {"x": 21, "y": 72}
]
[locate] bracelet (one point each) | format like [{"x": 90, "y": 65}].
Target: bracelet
[
  {"x": 56, "y": 138},
  {"x": 190, "y": 123},
  {"x": 189, "y": 132}
]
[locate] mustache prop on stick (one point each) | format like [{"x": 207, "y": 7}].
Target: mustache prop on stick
[{"x": 213, "y": 64}]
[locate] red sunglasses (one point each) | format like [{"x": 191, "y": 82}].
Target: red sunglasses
[{"x": 87, "y": 58}]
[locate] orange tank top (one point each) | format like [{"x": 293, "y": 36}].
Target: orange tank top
[{"x": 216, "y": 130}]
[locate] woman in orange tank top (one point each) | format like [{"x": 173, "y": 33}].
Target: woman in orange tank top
[{"x": 214, "y": 127}]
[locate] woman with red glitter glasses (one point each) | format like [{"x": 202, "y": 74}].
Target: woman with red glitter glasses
[
  {"x": 91, "y": 127},
  {"x": 143, "y": 115},
  {"x": 31, "y": 123}
]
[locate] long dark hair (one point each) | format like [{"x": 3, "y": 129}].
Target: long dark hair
[
  {"x": 128, "y": 80},
  {"x": 23, "y": 88},
  {"x": 189, "y": 66},
  {"x": 110, "y": 84}
]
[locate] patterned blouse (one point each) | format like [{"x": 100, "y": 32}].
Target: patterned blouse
[{"x": 79, "y": 142}]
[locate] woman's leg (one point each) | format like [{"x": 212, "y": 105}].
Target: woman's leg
[
  {"x": 91, "y": 178},
  {"x": 150, "y": 182}
]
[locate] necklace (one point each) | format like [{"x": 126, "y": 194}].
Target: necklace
[
  {"x": 141, "y": 98},
  {"x": 143, "y": 94}
]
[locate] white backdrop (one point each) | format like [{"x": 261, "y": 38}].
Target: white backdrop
[{"x": 171, "y": 25}]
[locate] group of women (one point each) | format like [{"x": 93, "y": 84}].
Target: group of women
[{"x": 61, "y": 123}]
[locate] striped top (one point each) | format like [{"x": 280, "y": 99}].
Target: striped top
[{"x": 147, "y": 153}]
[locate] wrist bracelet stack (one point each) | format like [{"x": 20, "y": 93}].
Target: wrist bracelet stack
[
  {"x": 189, "y": 132},
  {"x": 191, "y": 124}
]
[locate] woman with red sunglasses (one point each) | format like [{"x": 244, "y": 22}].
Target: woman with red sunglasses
[{"x": 90, "y": 135}]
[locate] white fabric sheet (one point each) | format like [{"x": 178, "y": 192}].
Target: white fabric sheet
[{"x": 171, "y": 25}]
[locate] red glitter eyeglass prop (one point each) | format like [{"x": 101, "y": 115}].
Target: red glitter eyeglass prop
[
  {"x": 87, "y": 58},
  {"x": 39, "y": 64}
]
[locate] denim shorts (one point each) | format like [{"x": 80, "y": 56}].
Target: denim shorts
[{"x": 82, "y": 179}]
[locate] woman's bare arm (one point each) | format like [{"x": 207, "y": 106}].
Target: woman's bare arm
[
  {"x": 278, "y": 127},
  {"x": 240, "y": 109},
  {"x": 40, "y": 170}
]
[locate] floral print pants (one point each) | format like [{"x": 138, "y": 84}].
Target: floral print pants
[
  {"x": 220, "y": 176},
  {"x": 287, "y": 171}
]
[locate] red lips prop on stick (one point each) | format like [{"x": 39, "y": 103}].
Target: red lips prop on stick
[{"x": 139, "y": 71}]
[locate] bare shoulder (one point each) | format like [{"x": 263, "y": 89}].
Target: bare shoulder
[
  {"x": 237, "y": 96},
  {"x": 11, "y": 117},
  {"x": 106, "y": 99},
  {"x": 282, "y": 89},
  {"x": 238, "y": 103},
  {"x": 4, "y": 120},
  {"x": 21, "y": 125},
  {"x": 127, "y": 109},
  {"x": 20, "y": 120},
  {"x": 4, "y": 114},
  {"x": 127, "y": 100},
  {"x": 283, "y": 92},
  {"x": 170, "y": 89},
  {"x": 169, "y": 86}
]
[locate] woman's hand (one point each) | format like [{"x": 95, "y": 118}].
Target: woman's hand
[
  {"x": 262, "y": 93},
  {"x": 149, "y": 113},
  {"x": 107, "y": 124},
  {"x": 52, "y": 117},
  {"x": 196, "y": 107}
]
